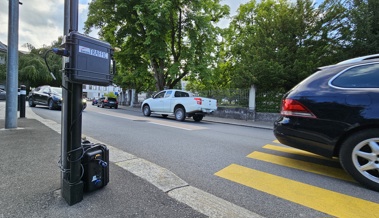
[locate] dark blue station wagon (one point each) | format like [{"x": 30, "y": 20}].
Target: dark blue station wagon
[{"x": 335, "y": 113}]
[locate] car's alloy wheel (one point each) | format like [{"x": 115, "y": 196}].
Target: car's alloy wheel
[
  {"x": 359, "y": 156},
  {"x": 31, "y": 102},
  {"x": 180, "y": 114},
  {"x": 51, "y": 104},
  {"x": 146, "y": 110}
]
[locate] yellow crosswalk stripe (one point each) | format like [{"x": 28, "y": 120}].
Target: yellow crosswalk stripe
[
  {"x": 294, "y": 151},
  {"x": 302, "y": 165},
  {"x": 323, "y": 200}
]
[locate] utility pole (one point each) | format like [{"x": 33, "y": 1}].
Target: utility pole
[
  {"x": 72, "y": 186},
  {"x": 12, "y": 66}
]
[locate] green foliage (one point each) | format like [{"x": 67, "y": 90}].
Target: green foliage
[
  {"x": 364, "y": 35},
  {"x": 268, "y": 102},
  {"x": 110, "y": 94},
  {"x": 168, "y": 39},
  {"x": 32, "y": 69},
  {"x": 272, "y": 44},
  {"x": 276, "y": 44},
  {"x": 228, "y": 97},
  {"x": 3, "y": 72}
]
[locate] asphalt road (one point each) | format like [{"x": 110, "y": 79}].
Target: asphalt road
[{"x": 242, "y": 165}]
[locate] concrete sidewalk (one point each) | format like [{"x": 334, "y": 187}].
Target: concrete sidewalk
[
  {"x": 30, "y": 184},
  {"x": 211, "y": 118}
]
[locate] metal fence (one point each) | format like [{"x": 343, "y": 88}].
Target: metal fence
[
  {"x": 268, "y": 102},
  {"x": 228, "y": 97}
]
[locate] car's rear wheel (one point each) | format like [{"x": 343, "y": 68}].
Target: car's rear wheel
[
  {"x": 180, "y": 114},
  {"x": 198, "y": 117},
  {"x": 359, "y": 156},
  {"x": 31, "y": 102},
  {"x": 51, "y": 104},
  {"x": 146, "y": 110}
]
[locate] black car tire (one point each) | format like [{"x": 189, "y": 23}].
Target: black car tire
[
  {"x": 146, "y": 110},
  {"x": 31, "y": 102},
  {"x": 359, "y": 157},
  {"x": 198, "y": 117},
  {"x": 180, "y": 114},
  {"x": 50, "y": 104}
]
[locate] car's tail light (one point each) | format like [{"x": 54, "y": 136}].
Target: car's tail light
[
  {"x": 105, "y": 101},
  {"x": 198, "y": 101},
  {"x": 292, "y": 107}
]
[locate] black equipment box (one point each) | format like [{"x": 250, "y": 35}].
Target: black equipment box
[
  {"x": 95, "y": 163},
  {"x": 91, "y": 60}
]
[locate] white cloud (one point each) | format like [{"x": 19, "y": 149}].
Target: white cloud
[{"x": 41, "y": 22}]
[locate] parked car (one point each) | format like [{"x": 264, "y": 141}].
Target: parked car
[
  {"x": 95, "y": 101},
  {"x": 107, "y": 102},
  {"x": 46, "y": 95},
  {"x": 3, "y": 94},
  {"x": 179, "y": 103},
  {"x": 335, "y": 113}
]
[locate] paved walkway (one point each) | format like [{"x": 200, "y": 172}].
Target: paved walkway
[{"x": 30, "y": 178}]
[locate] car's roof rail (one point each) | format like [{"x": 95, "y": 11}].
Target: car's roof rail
[{"x": 358, "y": 59}]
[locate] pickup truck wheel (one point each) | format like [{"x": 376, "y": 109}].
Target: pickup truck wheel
[
  {"x": 197, "y": 118},
  {"x": 146, "y": 110},
  {"x": 180, "y": 114}
]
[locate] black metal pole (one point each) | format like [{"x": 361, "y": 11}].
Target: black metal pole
[
  {"x": 18, "y": 99},
  {"x": 72, "y": 186},
  {"x": 22, "y": 100}
]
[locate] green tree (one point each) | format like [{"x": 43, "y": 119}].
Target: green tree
[
  {"x": 32, "y": 66},
  {"x": 364, "y": 17},
  {"x": 171, "y": 38},
  {"x": 276, "y": 44},
  {"x": 110, "y": 94}
]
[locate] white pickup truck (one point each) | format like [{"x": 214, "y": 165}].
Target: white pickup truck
[{"x": 179, "y": 103}]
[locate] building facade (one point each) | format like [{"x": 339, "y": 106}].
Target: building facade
[{"x": 94, "y": 91}]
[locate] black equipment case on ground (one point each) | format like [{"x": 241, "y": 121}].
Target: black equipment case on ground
[{"x": 95, "y": 163}]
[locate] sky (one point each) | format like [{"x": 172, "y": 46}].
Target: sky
[{"x": 41, "y": 22}]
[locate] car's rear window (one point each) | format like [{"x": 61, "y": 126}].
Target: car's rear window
[
  {"x": 181, "y": 94},
  {"x": 112, "y": 99},
  {"x": 364, "y": 76}
]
